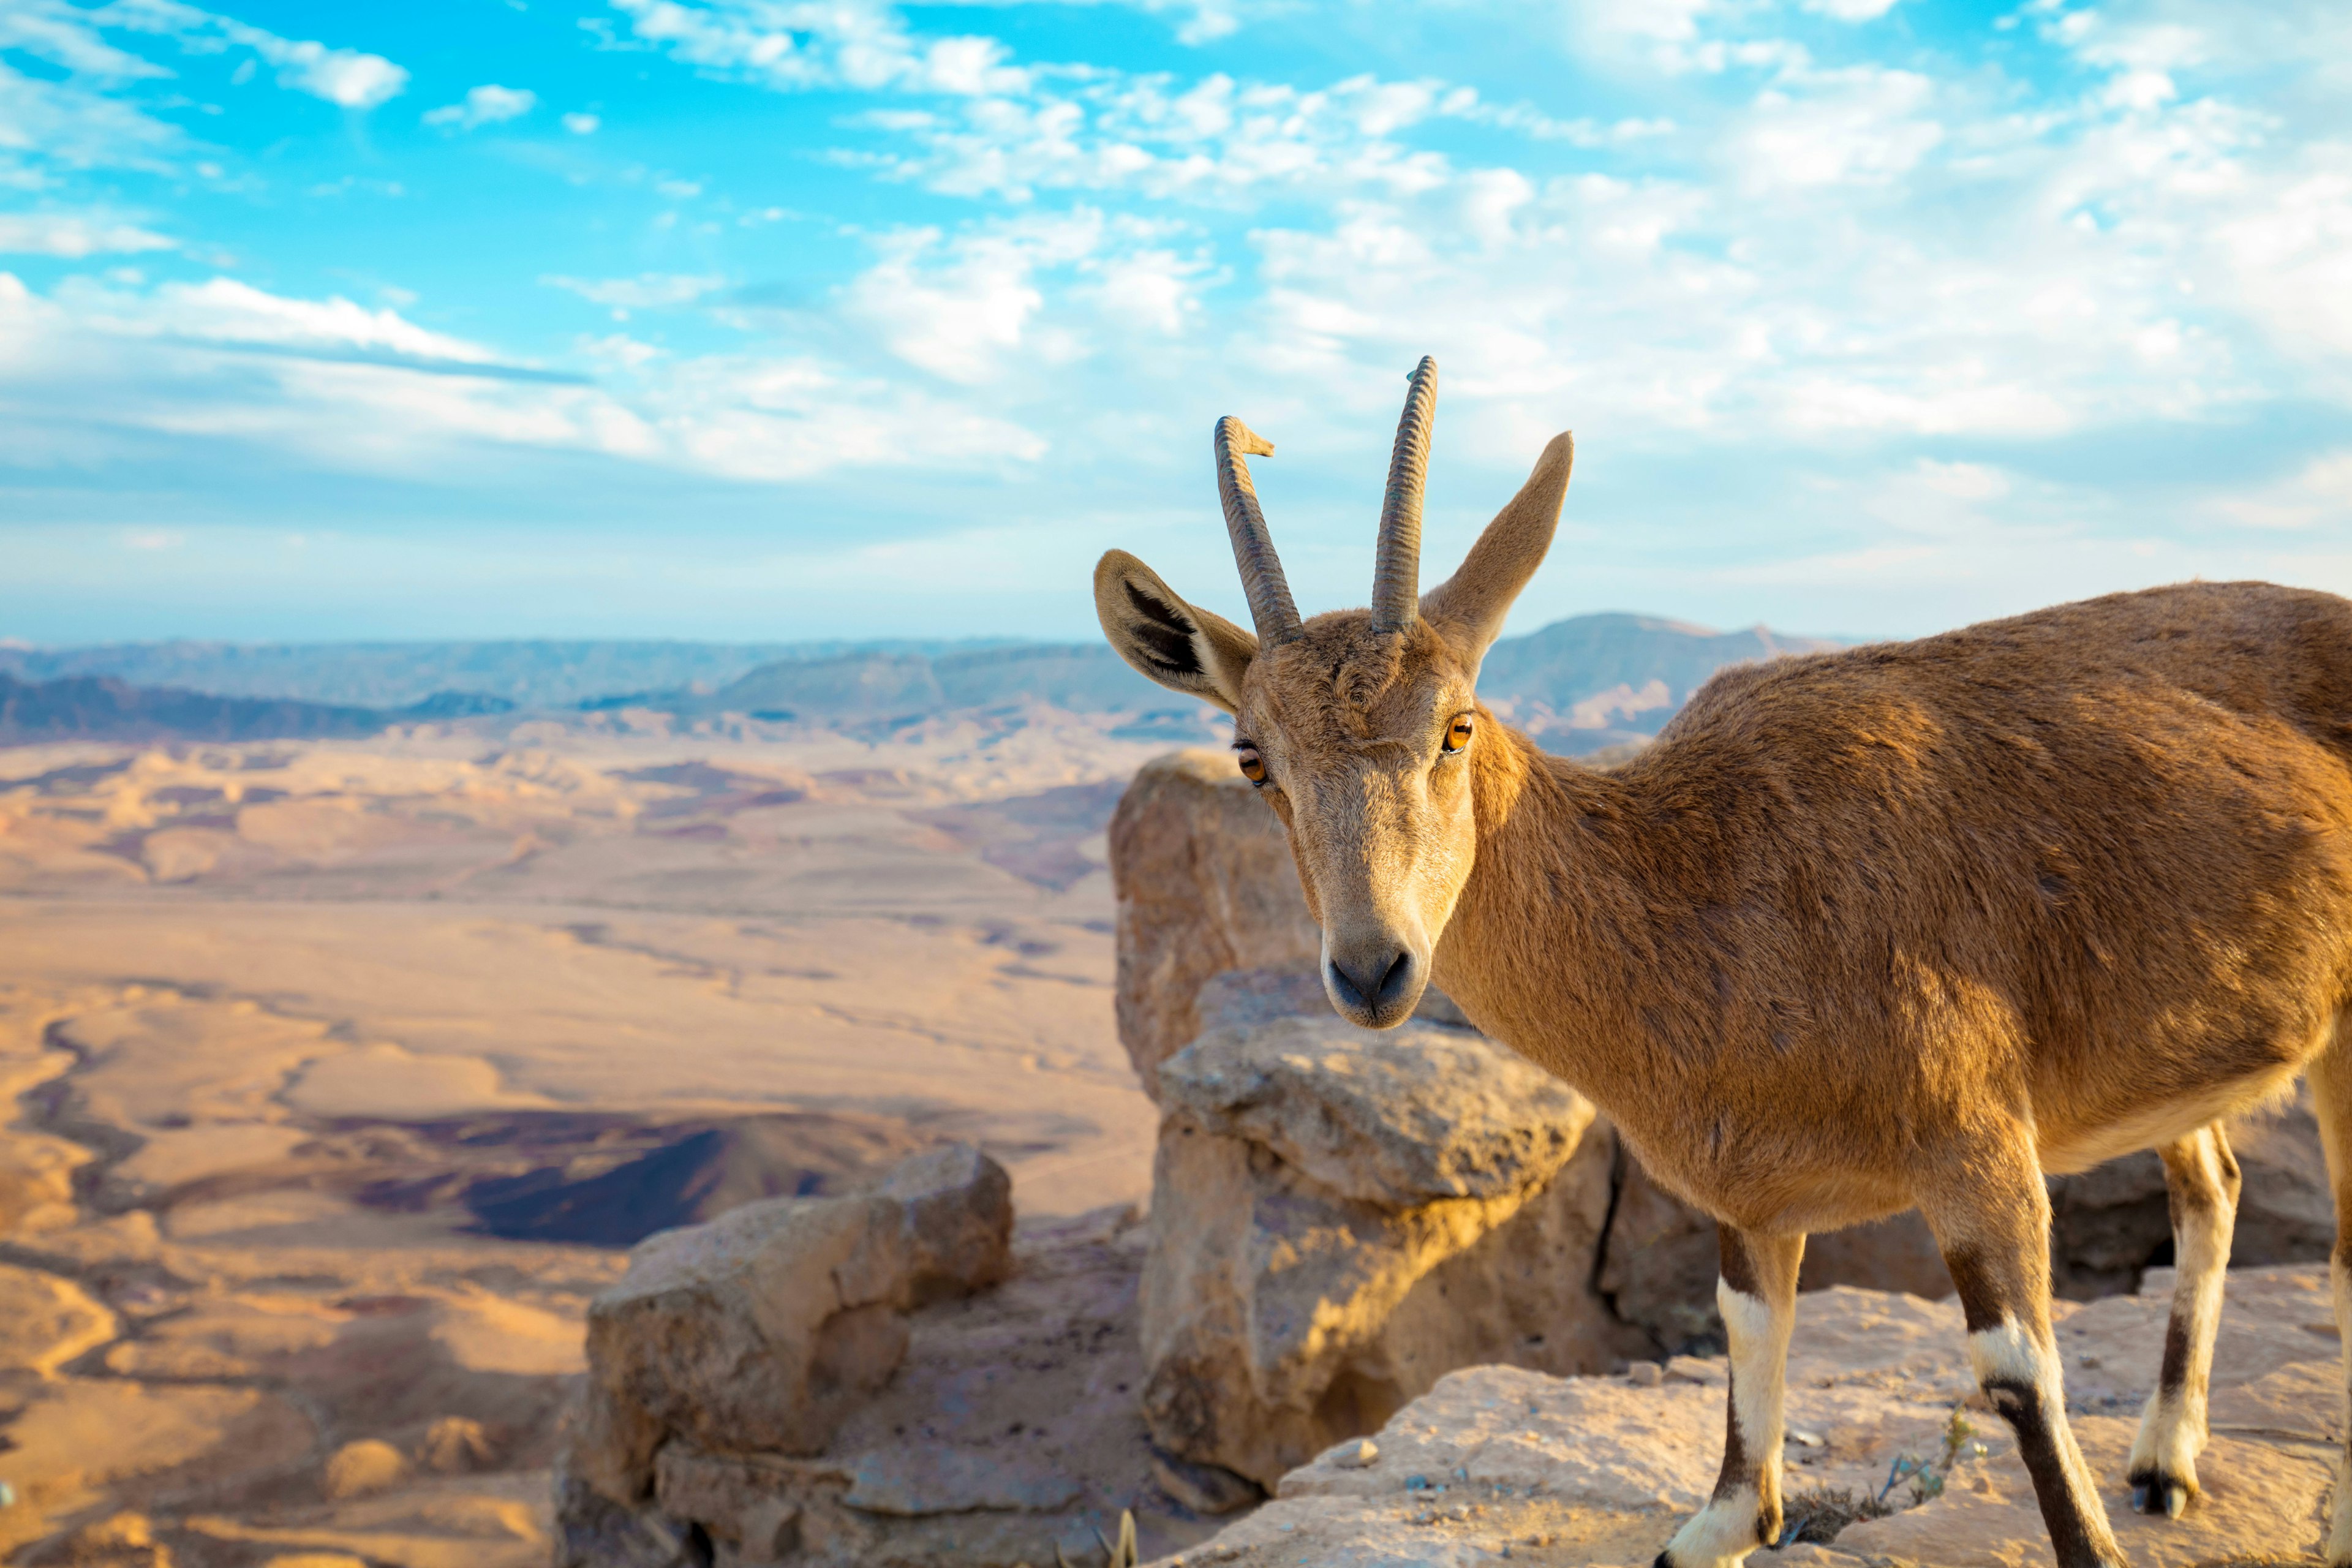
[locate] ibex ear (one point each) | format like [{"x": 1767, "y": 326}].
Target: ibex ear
[
  {"x": 1180, "y": 648},
  {"x": 1469, "y": 607}
]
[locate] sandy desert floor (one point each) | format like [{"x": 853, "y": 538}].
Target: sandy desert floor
[{"x": 309, "y": 1047}]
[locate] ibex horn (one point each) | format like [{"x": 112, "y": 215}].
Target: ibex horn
[
  {"x": 1396, "y": 568},
  {"x": 1269, "y": 595}
]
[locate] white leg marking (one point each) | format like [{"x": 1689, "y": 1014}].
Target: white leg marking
[
  {"x": 1722, "y": 1532},
  {"x": 2172, "y": 1430},
  {"x": 2008, "y": 1355}
]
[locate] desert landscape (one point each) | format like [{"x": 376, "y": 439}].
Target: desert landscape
[
  {"x": 351, "y": 1063},
  {"x": 323, "y": 1049}
]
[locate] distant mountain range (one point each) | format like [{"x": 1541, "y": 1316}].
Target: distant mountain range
[
  {"x": 388, "y": 675},
  {"x": 1580, "y": 684},
  {"x": 100, "y": 707}
]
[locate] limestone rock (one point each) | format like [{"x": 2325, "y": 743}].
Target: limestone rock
[
  {"x": 928, "y": 1477},
  {"x": 955, "y": 1222},
  {"x": 760, "y": 1330},
  {"x": 1205, "y": 883},
  {"x": 2259, "y": 1502},
  {"x": 1339, "y": 1217},
  {"x": 1596, "y": 1470},
  {"x": 1204, "y": 1488},
  {"x": 1398, "y": 1117}
]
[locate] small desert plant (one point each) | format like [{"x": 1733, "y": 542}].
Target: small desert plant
[
  {"x": 1818, "y": 1515},
  {"x": 1927, "y": 1476}
]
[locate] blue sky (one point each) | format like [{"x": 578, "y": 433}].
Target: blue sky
[{"x": 758, "y": 318}]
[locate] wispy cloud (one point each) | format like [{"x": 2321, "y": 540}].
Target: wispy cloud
[
  {"x": 75, "y": 235},
  {"x": 1836, "y": 291},
  {"x": 351, "y": 79},
  {"x": 489, "y": 104},
  {"x": 646, "y": 291}
]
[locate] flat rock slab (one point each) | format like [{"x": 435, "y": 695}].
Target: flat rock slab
[
  {"x": 2259, "y": 1500},
  {"x": 1500, "y": 1463}
]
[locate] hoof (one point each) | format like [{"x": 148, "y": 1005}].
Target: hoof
[{"x": 2154, "y": 1492}]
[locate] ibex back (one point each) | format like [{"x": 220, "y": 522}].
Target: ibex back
[{"x": 1907, "y": 924}]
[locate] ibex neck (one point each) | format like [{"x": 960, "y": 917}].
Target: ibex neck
[{"x": 1546, "y": 944}]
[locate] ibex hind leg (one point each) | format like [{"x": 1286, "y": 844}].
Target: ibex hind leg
[
  {"x": 2331, "y": 1092},
  {"x": 1993, "y": 1223},
  {"x": 1758, "y": 1295},
  {"x": 2200, "y": 1178}
]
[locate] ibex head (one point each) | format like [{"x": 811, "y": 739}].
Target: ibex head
[{"x": 1358, "y": 726}]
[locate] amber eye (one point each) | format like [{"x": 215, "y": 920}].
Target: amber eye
[
  {"x": 1253, "y": 765},
  {"x": 1457, "y": 734}
]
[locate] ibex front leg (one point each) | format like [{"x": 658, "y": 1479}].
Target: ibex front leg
[
  {"x": 1992, "y": 1222},
  {"x": 2201, "y": 1179},
  {"x": 1758, "y": 1295}
]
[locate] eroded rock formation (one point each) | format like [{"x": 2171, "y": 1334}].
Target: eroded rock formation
[
  {"x": 1205, "y": 884},
  {"x": 1341, "y": 1217},
  {"x": 760, "y": 1331}
]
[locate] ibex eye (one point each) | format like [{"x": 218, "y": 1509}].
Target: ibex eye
[
  {"x": 1253, "y": 765},
  {"x": 1457, "y": 734}
]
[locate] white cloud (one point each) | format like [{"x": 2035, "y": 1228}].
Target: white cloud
[
  {"x": 64, "y": 35},
  {"x": 333, "y": 383},
  {"x": 646, "y": 291},
  {"x": 965, "y": 307},
  {"x": 862, "y": 44},
  {"x": 582, "y": 125},
  {"x": 73, "y": 235},
  {"x": 2319, "y": 496},
  {"x": 351, "y": 79},
  {"x": 1829, "y": 128},
  {"x": 489, "y": 104},
  {"x": 1851, "y": 10},
  {"x": 224, "y": 310},
  {"x": 49, "y": 127}
]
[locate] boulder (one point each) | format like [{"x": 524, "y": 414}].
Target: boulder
[
  {"x": 1494, "y": 1460},
  {"x": 1201, "y": 870},
  {"x": 1339, "y": 1217},
  {"x": 760, "y": 1331},
  {"x": 1009, "y": 1434}
]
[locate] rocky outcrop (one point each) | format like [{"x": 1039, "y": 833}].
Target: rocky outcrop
[
  {"x": 1009, "y": 1434},
  {"x": 760, "y": 1331},
  {"x": 1496, "y": 1461},
  {"x": 1205, "y": 880},
  {"x": 1339, "y": 1217}
]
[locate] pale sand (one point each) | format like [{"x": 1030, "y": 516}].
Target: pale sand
[{"x": 235, "y": 982}]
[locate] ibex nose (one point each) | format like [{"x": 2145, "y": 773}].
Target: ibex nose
[{"x": 1370, "y": 983}]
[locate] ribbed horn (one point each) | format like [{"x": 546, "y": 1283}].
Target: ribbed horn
[
  {"x": 1269, "y": 595},
  {"x": 1396, "y": 568}
]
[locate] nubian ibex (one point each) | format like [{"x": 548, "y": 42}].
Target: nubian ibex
[{"x": 1903, "y": 924}]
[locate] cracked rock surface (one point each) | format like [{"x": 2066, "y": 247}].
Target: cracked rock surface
[{"x": 1499, "y": 1463}]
